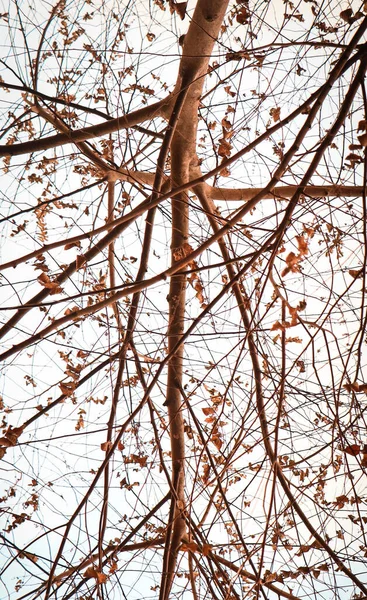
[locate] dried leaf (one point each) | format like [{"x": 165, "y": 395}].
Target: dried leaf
[
  {"x": 182, "y": 251},
  {"x": 224, "y": 148},
  {"x": 53, "y": 286},
  {"x": 93, "y": 572},
  {"x": 136, "y": 459},
  {"x": 227, "y": 89},
  {"x": 206, "y": 471},
  {"x": 301, "y": 365},
  {"x": 356, "y": 273},
  {"x": 80, "y": 261},
  {"x": 67, "y": 387},
  {"x": 347, "y": 15},
  {"x": 11, "y": 436},
  {"x": 275, "y": 113},
  {"x": 243, "y": 16},
  {"x": 208, "y": 411},
  {"x": 180, "y": 9},
  {"x": 292, "y": 261},
  {"x": 105, "y": 446},
  {"x": 207, "y": 548},
  {"x": 72, "y": 245},
  {"x": 351, "y": 387},
  {"x": 113, "y": 567},
  {"x": 352, "y": 157},
  {"x": 189, "y": 547},
  {"x": 217, "y": 441},
  {"x": 363, "y": 139},
  {"x": 302, "y": 245},
  {"x": 279, "y": 325},
  {"x": 353, "y": 449},
  {"x": 80, "y": 423},
  {"x": 226, "y": 124}
]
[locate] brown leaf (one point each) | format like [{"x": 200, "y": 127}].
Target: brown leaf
[
  {"x": 189, "y": 547},
  {"x": 301, "y": 365},
  {"x": 227, "y": 89},
  {"x": 217, "y": 441},
  {"x": 292, "y": 261},
  {"x": 113, "y": 567},
  {"x": 182, "y": 251},
  {"x": 208, "y": 411},
  {"x": 80, "y": 261},
  {"x": 67, "y": 387},
  {"x": 302, "y": 245},
  {"x": 363, "y": 139},
  {"x": 92, "y": 572},
  {"x": 353, "y": 449},
  {"x": 80, "y": 424},
  {"x": 11, "y": 436},
  {"x": 70, "y": 311},
  {"x": 347, "y": 15},
  {"x": 356, "y": 273},
  {"x": 278, "y": 325},
  {"x": 294, "y": 314},
  {"x": 243, "y": 16},
  {"x": 72, "y": 245},
  {"x": 351, "y": 387},
  {"x": 207, "y": 548},
  {"x": 180, "y": 9},
  {"x": 53, "y": 286},
  {"x": 275, "y": 113},
  {"x": 105, "y": 446},
  {"x": 352, "y": 157},
  {"x": 206, "y": 471},
  {"x": 226, "y": 124},
  {"x": 224, "y": 148},
  {"x": 136, "y": 459}
]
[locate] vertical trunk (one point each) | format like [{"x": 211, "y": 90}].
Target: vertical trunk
[{"x": 199, "y": 41}]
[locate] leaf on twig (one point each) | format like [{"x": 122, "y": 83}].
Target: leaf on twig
[
  {"x": 224, "y": 148},
  {"x": 356, "y": 273},
  {"x": 179, "y": 8},
  {"x": 208, "y": 411},
  {"x": 355, "y": 387},
  {"x": 189, "y": 547},
  {"x": 93, "y": 572},
  {"x": 11, "y": 436},
  {"x": 182, "y": 251},
  {"x": 292, "y": 261},
  {"x": 53, "y": 286},
  {"x": 275, "y": 113},
  {"x": 67, "y": 387},
  {"x": 353, "y": 449}
]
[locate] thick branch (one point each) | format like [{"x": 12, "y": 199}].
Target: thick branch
[
  {"x": 87, "y": 133},
  {"x": 284, "y": 192}
]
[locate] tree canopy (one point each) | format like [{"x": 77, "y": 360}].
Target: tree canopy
[{"x": 184, "y": 312}]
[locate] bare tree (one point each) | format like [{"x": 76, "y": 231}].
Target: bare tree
[{"x": 184, "y": 235}]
